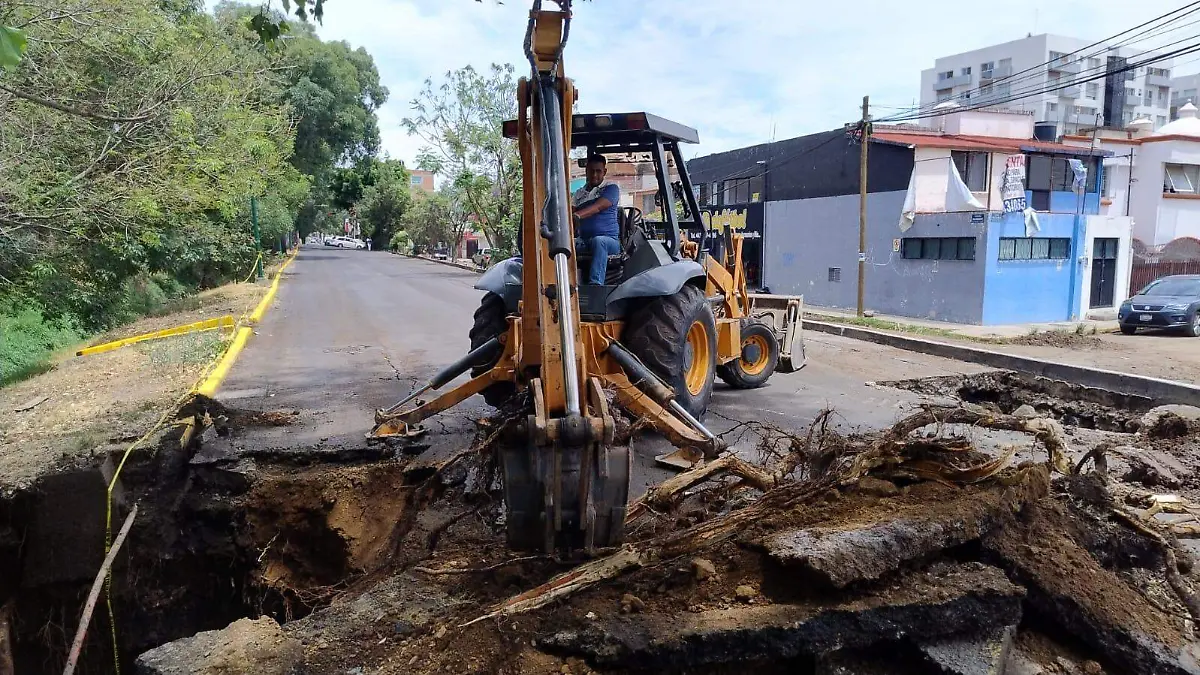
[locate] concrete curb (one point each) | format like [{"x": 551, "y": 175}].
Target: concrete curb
[
  {"x": 469, "y": 268},
  {"x": 1160, "y": 391}
]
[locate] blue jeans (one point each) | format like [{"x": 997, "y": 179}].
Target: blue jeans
[{"x": 600, "y": 247}]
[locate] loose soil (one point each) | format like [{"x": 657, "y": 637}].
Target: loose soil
[{"x": 374, "y": 562}]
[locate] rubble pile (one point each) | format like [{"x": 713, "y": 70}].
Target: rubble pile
[{"x": 904, "y": 551}]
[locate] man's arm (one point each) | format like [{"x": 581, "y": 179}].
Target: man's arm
[{"x": 610, "y": 196}]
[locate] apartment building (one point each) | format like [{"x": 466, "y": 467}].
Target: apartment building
[
  {"x": 1050, "y": 62},
  {"x": 422, "y": 180},
  {"x": 1183, "y": 90}
]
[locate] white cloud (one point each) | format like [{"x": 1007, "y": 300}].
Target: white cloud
[{"x": 733, "y": 70}]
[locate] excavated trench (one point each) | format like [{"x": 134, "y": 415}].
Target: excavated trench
[
  {"x": 1072, "y": 404},
  {"x": 222, "y": 536},
  {"x": 213, "y": 541}
]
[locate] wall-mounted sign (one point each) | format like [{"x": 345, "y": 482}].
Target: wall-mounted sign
[
  {"x": 978, "y": 218},
  {"x": 1013, "y": 192}
]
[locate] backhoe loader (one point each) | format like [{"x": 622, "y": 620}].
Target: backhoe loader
[{"x": 652, "y": 337}]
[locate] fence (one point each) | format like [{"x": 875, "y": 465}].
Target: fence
[{"x": 1178, "y": 256}]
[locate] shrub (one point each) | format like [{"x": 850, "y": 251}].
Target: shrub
[{"x": 28, "y": 341}]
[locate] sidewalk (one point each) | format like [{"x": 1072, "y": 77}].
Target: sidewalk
[
  {"x": 962, "y": 330},
  {"x": 1090, "y": 344}
]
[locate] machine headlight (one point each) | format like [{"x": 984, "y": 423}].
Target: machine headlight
[{"x": 1177, "y": 307}]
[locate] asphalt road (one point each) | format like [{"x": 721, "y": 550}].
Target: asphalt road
[{"x": 353, "y": 331}]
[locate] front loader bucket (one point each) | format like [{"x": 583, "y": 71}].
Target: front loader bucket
[{"x": 785, "y": 314}]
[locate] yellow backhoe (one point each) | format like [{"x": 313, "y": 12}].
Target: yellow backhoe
[{"x": 652, "y": 338}]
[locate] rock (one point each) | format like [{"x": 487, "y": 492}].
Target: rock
[
  {"x": 409, "y": 603},
  {"x": 245, "y": 647},
  {"x": 1152, "y": 468},
  {"x": 632, "y": 603},
  {"x": 935, "y": 603},
  {"x": 745, "y": 593},
  {"x": 1019, "y": 665},
  {"x": 1185, "y": 412},
  {"x": 1068, "y": 586},
  {"x": 884, "y": 540},
  {"x": 1025, "y": 411},
  {"x": 981, "y": 654},
  {"x": 703, "y": 569},
  {"x": 875, "y": 486},
  {"x": 1092, "y": 668}
]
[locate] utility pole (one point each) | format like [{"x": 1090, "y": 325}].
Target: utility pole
[
  {"x": 258, "y": 266},
  {"x": 864, "y": 138}
]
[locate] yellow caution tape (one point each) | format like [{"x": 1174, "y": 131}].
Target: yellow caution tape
[{"x": 208, "y": 324}]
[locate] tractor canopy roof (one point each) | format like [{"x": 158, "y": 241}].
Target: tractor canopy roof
[{"x": 621, "y": 131}]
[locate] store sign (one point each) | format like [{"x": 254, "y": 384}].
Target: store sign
[{"x": 1013, "y": 192}]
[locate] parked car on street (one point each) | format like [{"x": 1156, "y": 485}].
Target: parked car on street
[
  {"x": 441, "y": 254},
  {"x": 483, "y": 257},
  {"x": 345, "y": 242},
  {"x": 1170, "y": 302}
]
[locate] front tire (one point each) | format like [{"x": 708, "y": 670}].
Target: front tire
[
  {"x": 491, "y": 320},
  {"x": 676, "y": 337},
  {"x": 1128, "y": 330},
  {"x": 1193, "y": 328},
  {"x": 757, "y": 360}
]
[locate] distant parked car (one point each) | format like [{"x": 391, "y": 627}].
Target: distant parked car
[
  {"x": 441, "y": 254},
  {"x": 483, "y": 257},
  {"x": 1169, "y": 302},
  {"x": 346, "y": 242}
]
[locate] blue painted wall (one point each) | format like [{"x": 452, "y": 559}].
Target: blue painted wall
[{"x": 1025, "y": 291}]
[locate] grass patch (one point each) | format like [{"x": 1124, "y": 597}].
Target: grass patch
[
  {"x": 193, "y": 349},
  {"x": 896, "y": 326},
  {"x": 28, "y": 342}
]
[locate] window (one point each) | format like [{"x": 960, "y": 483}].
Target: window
[
  {"x": 1051, "y": 107},
  {"x": 1093, "y": 63},
  {"x": 965, "y": 96},
  {"x": 972, "y": 168},
  {"x": 415, "y": 180},
  {"x": 835, "y": 274},
  {"x": 946, "y": 75},
  {"x": 756, "y": 187},
  {"x": 716, "y": 194},
  {"x": 1058, "y": 57},
  {"x": 986, "y": 67},
  {"x": 1053, "y": 173},
  {"x": 1093, "y": 90},
  {"x": 1003, "y": 89},
  {"x": 1189, "y": 94},
  {"x": 941, "y": 98},
  {"x": 1149, "y": 98},
  {"x": 985, "y": 90},
  {"x": 937, "y": 248},
  {"x": 1162, "y": 98},
  {"x": 966, "y": 70},
  {"x": 1160, "y": 120},
  {"x": 1129, "y": 93},
  {"x": 703, "y": 194},
  {"x": 1034, "y": 248},
  {"x": 1182, "y": 178}
]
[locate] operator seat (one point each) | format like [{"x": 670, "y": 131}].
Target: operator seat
[{"x": 628, "y": 219}]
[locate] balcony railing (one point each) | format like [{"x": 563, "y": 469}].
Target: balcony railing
[
  {"x": 995, "y": 73},
  {"x": 1061, "y": 66},
  {"x": 1158, "y": 80},
  {"x": 949, "y": 82}
]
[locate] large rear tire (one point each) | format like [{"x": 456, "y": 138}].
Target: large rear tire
[
  {"x": 757, "y": 360},
  {"x": 491, "y": 320},
  {"x": 676, "y": 337}
]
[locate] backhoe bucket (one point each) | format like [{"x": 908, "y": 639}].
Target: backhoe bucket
[{"x": 785, "y": 315}]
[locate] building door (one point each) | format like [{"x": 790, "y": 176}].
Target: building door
[{"x": 1104, "y": 272}]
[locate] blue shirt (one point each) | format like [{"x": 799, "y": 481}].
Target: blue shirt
[{"x": 603, "y": 223}]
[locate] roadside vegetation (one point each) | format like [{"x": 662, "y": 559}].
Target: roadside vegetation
[{"x": 133, "y": 136}]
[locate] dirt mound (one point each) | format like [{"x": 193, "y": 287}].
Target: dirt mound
[{"x": 1056, "y": 338}]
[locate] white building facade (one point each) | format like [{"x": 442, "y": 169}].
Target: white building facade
[{"x": 1038, "y": 62}]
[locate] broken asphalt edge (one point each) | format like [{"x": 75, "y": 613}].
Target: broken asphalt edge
[{"x": 1159, "y": 390}]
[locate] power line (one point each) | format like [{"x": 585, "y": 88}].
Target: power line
[
  {"x": 1056, "y": 85},
  {"x": 1021, "y": 74}
]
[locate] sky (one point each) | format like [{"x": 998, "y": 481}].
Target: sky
[{"x": 739, "y": 71}]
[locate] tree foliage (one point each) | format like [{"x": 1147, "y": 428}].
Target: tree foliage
[
  {"x": 385, "y": 202},
  {"x": 134, "y": 132},
  {"x": 461, "y": 120},
  {"x": 436, "y": 219}
]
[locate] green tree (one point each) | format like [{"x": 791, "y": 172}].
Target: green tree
[
  {"x": 461, "y": 120},
  {"x": 436, "y": 219},
  {"x": 385, "y": 203}
]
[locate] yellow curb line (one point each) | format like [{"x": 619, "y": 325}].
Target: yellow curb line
[
  {"x": 209, "y": 386},
  {"x": 258, "y": 312},
  {"x": 199, "y": 326},
  {"x": 214, "y": 379}
]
